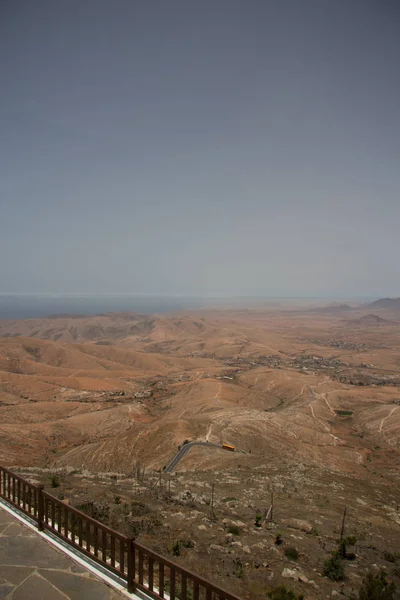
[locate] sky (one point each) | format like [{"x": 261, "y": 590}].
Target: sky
[{"x": 208, "y": 147}]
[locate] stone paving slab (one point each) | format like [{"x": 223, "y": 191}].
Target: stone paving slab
[{"x": 32, "y": 569}]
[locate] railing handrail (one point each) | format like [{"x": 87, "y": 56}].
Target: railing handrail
[
  {"x": 18, "y": 477},
  {"x": 131, "y": 545}
]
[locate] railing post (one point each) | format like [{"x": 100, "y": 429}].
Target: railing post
[
  {"x": 40, "y": 514},
  {"x": 130, "y": 566}
]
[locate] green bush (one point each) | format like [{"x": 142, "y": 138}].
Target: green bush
[
  {"x": 54, "y": 480},
  {"x": 187, "y": 543},
  {"x": 376, "y": 587},
  {"x": 238, "y": 568},
  {"x": 333, "y": 568},
  {"x": 278, "y": 539},
  {"x": 283, "y": 593},
  {"x": 342, "y": 547},
  {"x": 139, "y": 509},
  {"x": 391, "y": 556},
  {"x": 291, "y": 553},
  {"x": 100, "y": 512},
  {"x": 257, "y": 520},
  {"x": 234, "y": 529},
  {"x": 176, "y": 548},
  {"x": 350, "y": 556}
]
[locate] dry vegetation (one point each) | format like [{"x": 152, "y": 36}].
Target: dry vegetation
[{"x": 96, "y": 406}]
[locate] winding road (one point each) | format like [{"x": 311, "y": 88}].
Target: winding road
[{"x": 184, "y": 449}]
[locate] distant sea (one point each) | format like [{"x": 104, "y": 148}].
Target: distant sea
[
  {"x": 30, "y": 306},
  {"x": 35, "y": 306}
]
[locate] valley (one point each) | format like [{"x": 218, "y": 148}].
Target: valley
[{"x": 308, "y": 397}]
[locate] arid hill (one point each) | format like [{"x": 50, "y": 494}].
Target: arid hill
[
  {"x": 385, "y": 303},
  {"x": 262, "y": 380},
  {"x": 332, "y": 308},
  {"x": 78, "y": 328},
  {"x": 310, "y": 401},
  {"x": 369, "y": 320}
]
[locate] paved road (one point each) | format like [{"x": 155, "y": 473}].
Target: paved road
[
  {"x": 32, "y": 569},
  {"x": 184, "y": 449}
]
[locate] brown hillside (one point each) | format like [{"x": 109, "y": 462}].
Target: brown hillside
[
  {"x": 310, "y": 402},
  {"x": 369, "y": 320}
]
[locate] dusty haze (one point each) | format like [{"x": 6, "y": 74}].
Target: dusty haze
[{"x": 200, "y": 148}]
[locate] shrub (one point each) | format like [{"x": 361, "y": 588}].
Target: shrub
[
  {"x": 376, "y": 587},
  {"x": 350, "y": 556},
  {"x": 139, "y": 509},
  {"x": 176, "y": 548},
  {"x": 54, "y": 480},
  {"x": 278, "y": 539},
  {"x": 238, "y": 568},
  {"x": 342, "y": 547},
  {"x": 291, "y": 553},
  {"x": 100, "y": 512},
  {"x": 333, "y": 568},
  {"x": 187, "y": 543},
  {"x": 283, "y": 593},
  {"x": 390, "y": 556},
  {"x": 351, "y": 540},
  {"x": 234, "y": 529}
]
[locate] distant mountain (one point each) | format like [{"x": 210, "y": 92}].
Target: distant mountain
[
  {"x": 388, "y": 303},
  {"x": 332, "y": 308},
  {"x": 368, "y": 321},
  {"x": 78, "y": 329}
]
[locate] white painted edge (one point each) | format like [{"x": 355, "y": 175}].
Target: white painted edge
[{"x": 113, "y": 583}]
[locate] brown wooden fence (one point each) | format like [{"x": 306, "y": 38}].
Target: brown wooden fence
[{"x": 140, "y": 568}]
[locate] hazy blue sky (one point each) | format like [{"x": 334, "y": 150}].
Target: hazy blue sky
[{"x": 204, "y": 147}]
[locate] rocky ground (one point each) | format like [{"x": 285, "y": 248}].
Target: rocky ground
[{"x": 220, "y": 524}]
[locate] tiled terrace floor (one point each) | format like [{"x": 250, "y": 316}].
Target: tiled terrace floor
[{"x": 32, "y": 569}]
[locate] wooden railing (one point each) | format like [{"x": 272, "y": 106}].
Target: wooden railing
[
  {"x": 140, "y": 568},
  {"x": 19, "y": 492},
  {"x": 100, "y": 543},
  {"x": 159, "y": 577}
]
